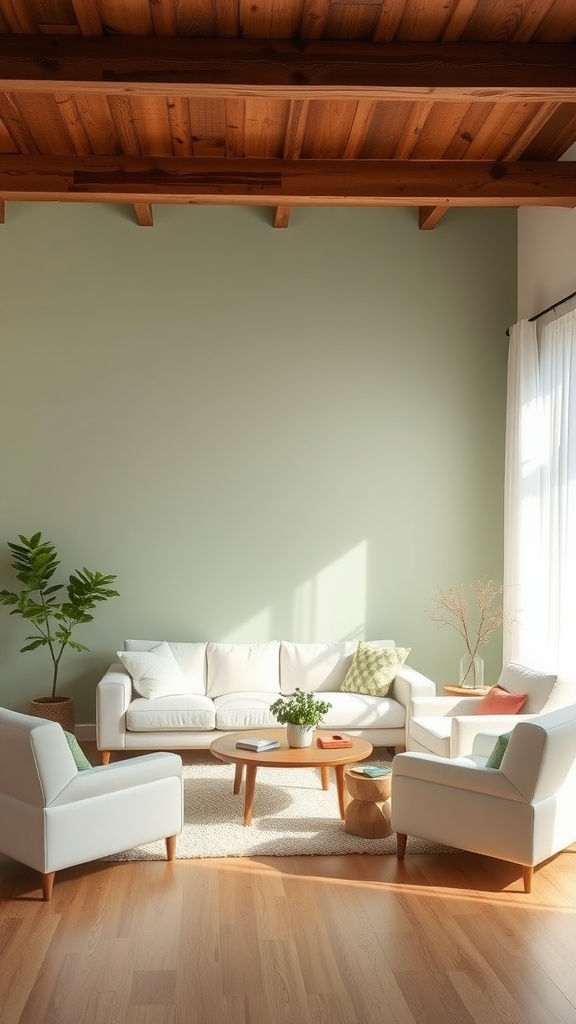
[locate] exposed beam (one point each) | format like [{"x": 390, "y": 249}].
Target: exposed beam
[
  {"x": 289, "y": 69},
  {"x": 288, "y": 182},
  {"x": 293, "y": 143},
  {"x": 144, "y": 215},
  {"x": 428, "y": 216},
  {"x": 282, "y": 216}
]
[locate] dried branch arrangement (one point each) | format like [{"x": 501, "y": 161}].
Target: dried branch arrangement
[{"x": 474, "y": 610}]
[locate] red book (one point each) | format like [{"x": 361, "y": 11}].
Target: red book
[{"x": 331, "y": 742}]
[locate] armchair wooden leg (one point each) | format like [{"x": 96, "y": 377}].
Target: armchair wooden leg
[
  {"x": 170, "y": 847},
  {"x": 528, "y": 873},
  {"x": 400, "y": 845},
  {"x": 105, "y": 755},
  {"x": 47, "y": 884}
]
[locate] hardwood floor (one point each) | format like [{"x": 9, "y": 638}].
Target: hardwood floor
[{"x": 440, "y": 939}]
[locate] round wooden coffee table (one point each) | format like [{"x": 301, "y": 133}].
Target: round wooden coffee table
[{"x": 284, "y": 756}]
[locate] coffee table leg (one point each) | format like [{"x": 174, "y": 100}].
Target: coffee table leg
[
  {"x": 238, "y": 777},
  {"x": 339, "y": 769},
  {"x": 249, "y": 793},
  {"x": 325, "y": 772}
]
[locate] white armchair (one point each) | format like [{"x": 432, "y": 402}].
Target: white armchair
[
  {"x": 53, "y": 816},
  {"x": 523, "y": 812},
  {"x": 447, "y": 726}
]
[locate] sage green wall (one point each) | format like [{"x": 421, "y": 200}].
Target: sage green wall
[{"x": 266, "y": 434}]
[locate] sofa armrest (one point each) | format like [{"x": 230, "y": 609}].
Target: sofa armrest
[
  {"x": 120, "y": 776},
  {"x": 460, "y": 773},
  {"x": 465, "y": 730},
  {"x": 410, "y": 683},
  {"x": 484, "y": 742},
  {"x": 440, "y": 707},
  {"x": 113, "y": 697}
]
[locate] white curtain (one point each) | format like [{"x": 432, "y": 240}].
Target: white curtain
[{"x": 540, "y": 496}]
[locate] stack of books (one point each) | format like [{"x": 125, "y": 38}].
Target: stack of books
[
  {"x": 373, "y": 771},
  {"x": 333, "y": 742},
  {"x": 257, "y": 743}
]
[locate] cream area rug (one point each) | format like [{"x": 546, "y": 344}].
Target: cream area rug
[{"x": 293, "y": 816}]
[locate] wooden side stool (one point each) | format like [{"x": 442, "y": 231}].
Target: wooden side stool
[{"x": 368, "y": 812}]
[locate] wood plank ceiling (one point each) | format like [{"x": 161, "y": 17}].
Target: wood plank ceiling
[{"x": 427, "y": 103}]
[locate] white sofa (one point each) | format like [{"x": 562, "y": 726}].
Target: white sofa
[
  {"x": 524, "y": 811},
  {"x": 229, "y": 687}
]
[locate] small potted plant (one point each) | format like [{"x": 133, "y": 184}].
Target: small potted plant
[
  {"x": 301, "y": 714},
  {"x": 35, "y": 562}
]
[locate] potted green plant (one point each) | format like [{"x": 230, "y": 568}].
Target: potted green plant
[
  {"x": 53, "y": 620},
  {"x": 301, "y": 713}
]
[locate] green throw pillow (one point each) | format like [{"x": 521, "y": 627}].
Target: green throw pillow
[
  {"x": 373, "y": 669},
  {"x": 495, "y": 759},
  {"x": 80, "y": 759}
]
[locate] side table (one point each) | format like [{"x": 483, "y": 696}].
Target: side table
[
  {"x": 368, "y": 812},
  {"x": 465, "y": 691}
]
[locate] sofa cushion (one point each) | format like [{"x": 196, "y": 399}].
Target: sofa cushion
[
  {"x": 80, "y": 760},
  {"x": 239, "y": 668},
  {"x": 495, "y": 758},
  {"x": 373, "y": 670},
  {"x": 249, "y": 710},
  {"x": 539, "y": 686},
  {"x": 499, "y": 702},
  {"x": 362, "y": 711},
  {"x": 190, "y": 657},
  {"x": 155, "y": 673},
  {"x": 189, "y": 712},
  {"x": 432, "y": 733},
  {"x": 314, "y": 667}
]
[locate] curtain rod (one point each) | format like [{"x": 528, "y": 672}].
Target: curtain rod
[
  {"x": 543, "y": 312},
  {"x": 549, "y": 309}
]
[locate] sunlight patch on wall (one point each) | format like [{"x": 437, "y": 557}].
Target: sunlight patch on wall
[{"x": 332, "y": 604}]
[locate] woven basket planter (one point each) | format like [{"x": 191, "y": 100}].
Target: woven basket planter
[{"x": 55, "y": 709}]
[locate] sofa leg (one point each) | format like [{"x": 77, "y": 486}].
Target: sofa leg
[
  {"x": 105, "y": 755},
  {"x": 399, "y": 750},
  {"x": 47, "y": 884},
  {"x": 527, "y": 873},
  {"x": 400, "y": 845},
  {"x": 170, "y": 847}
]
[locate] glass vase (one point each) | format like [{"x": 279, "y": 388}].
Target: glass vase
[{"x": 471, "y": 672}]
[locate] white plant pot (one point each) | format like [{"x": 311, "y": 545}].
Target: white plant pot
[{"x": 299, "y": 735}]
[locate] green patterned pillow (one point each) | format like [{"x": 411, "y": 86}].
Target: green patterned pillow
[
  {"x": 495, "y": 759},
  {"x": 373, "y": 669},
  {"x": 80, "y": 759}
]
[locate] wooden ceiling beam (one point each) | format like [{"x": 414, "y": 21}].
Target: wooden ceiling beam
[
  {"x": 144, "y": 215},
  {"x": 289, "y": 69},
  {"x": 293, "y": 143},
  {"x": 476, "y": 183},
  {"x": 429, "y": 216}
]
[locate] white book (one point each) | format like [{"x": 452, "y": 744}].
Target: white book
[{"x": 257, "y": 744}]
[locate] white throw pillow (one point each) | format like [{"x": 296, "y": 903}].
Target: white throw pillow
[
  {"x": 516, "y": 678},
  {"x": 233, "y": 668},
  {"x": 315, "y": 667},
  {"x": 155, "y": 673},
  {"x": 190, "y": 656}
]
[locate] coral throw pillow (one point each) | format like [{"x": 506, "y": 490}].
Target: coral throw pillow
[{"x": 499, "y": 702}]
